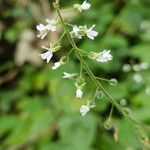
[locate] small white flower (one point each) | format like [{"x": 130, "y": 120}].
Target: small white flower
[
  {"x": 137, "y": 78},
  {"x": 79, "y": 93},
  {"x": 56, "y": 65},
  {"x": 42, "y": 29},
  {"x": 76, "y": 32},
  {"x": 84, "y": 109},
  {"x": 137, "y": 67},
  {"x": 80, "y": 31},
  {"x": 144, "y": 65},
  {"x": 68, "y": 75},
  {"x": 91, "y": 33},
  {"x": 104, "y": 56},
  {"x": 85, "y": 6},
  {"x": 51, "y": 24},
  {"x": 126, "y": 68},
  {"x": 47, "y": 55}
]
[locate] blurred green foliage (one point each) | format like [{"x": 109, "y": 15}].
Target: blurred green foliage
[{"x": 38, "y": 110}]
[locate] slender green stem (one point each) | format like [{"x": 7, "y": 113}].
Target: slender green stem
[
  {"x": 102, "y": 79},
  {"x": 68, "y": 24},
  {"x": 89, "y": 72},
  {"x": 83, "y": 52},
  {"x": 81, "y": 69},
  {"x": 61, "y": 36},
  {"x": 97, "y": 83},
  {"x": 70, "y": 52},
  {"x": 95, "y": 94},
  {"x": 111, "y": 111}
]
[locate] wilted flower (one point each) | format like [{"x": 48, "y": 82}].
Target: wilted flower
[
  {"x": 85, "y": 5},
  {"x": 104, "y": 56},
  {"x": 84, "y": 109},
  {"x": 56, "y": 65},
  {"x": 79, "y": 93},
  {"x": 68, "y": 75},
  {"x": 91, "y": 33}
]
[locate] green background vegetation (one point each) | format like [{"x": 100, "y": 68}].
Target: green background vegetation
[{"x": 38, "y": 110}]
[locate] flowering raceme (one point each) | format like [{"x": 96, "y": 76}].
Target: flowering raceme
[{"x": 78, "y": 32}]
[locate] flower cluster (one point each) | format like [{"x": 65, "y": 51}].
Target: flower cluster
[
  {"x": 80, "y": 31},
  {"x": 75, "y": 32},
  {"x": 51, "y": 25}
]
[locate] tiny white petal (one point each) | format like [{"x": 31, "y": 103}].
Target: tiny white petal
[
  {"x": 56, "y": 65},
  {"x": 137, "y": 78},
  {"x": 79, "y": 93},
  {"x": 51, "y": 24},
  {"x": 104, "y": 56},
  {"x": 47, "y": 56},
  {"x": 85, "y": 6},
  {"x": 84, "y": 109},
  {"x": 91, "y": 33},
  {"x": 67, "y": 75}
]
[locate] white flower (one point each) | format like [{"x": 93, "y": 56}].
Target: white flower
[
  {"x": 137, "y": 67},
  {"x": 42, "y": 29},
  {"x": 80, "y": 31},
  {"x": 85, "y": 6},
  {"x": 84, "y": 109},
  {"x": 56, "y": 65},
  {"x": 76, "y": 31},
  {"x": 144, "y": 65},
  {"x": 68, "y": 75},
  {"x": 104, "y": 56},
  {"x": 91, "y": 33},
  {"x": 137, "y": 78},
  {"x": 47, "y": 55},
  {"x": 51, "y": 24},
  {"x": 126, "y": 68},
  {"x": 79, "y": 93}
]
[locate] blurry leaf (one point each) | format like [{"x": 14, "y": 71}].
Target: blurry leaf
[{"x": 141, "y": 51}]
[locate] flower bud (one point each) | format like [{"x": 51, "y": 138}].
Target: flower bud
[
  {"x": 77, "y": 7},
  {"x": 108, "y": 124},
  {"x": 100, "y": 94},
  {"x": 123, "y": 102},
  {"x": 113, "y": 82},
  {"x": 64, "y": 60}
]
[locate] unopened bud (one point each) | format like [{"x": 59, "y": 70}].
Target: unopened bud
[
  {"x": 123, "y": 102},
  {"x": 113, "y": 82},
  {"x": 108, "y": 124}
]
